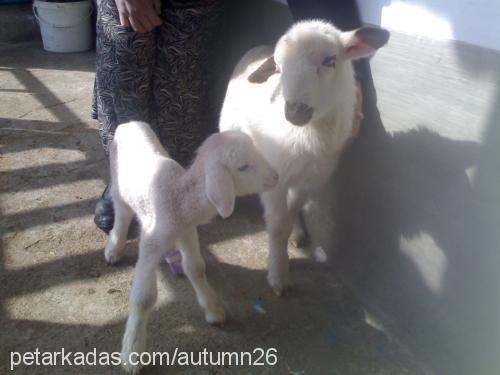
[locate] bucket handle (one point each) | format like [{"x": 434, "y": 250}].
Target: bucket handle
[{"x": 41, "y": 20}]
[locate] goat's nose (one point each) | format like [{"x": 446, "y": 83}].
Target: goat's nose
[
  {"x": 298, "y": 113},
  {"x": 272, "y": 180},
  {"x": 275, "y": 177},
  {"x": 292, "y": 106}
]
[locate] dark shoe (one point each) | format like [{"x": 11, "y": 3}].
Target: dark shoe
[{"x": 104, "y": 214}]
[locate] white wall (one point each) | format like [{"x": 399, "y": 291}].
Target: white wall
[{"x": 473, "y": 21}]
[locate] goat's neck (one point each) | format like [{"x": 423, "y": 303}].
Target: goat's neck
[
  {"x": 194, "y": 206},
  {"x": 343, "y": 105}
]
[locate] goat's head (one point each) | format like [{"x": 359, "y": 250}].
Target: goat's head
[
  {"x": 234, "y": 167},
  {"x": 310, "y": 57}
]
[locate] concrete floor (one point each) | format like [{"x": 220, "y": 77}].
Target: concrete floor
[{"x": 56, "y": 291}]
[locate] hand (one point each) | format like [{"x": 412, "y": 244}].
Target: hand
[{"x": 142, "y": 15}]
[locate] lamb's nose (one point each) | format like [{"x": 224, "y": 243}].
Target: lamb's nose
[{"x": 298, "y": 113}]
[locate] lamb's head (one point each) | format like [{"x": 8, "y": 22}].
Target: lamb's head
[
  {"x": 311, "y": 57},
  {"x": 234, "y": 167}
]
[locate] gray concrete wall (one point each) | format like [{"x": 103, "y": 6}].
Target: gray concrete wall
[{"x": 412, "y": 217}]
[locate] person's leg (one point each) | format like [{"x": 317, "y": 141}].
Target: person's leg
[
  {"x": 122, "y": 89},
  {"x": 183, "y": 76},
  {"x": 186, "y": 94},
  {"x": 124, "y": 61},
  {"x": 176, "y": 102}
]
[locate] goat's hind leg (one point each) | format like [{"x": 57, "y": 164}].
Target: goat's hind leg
[
  {"x": 142, "y": 300},
  {"x": 295, "y": 202},
  {"x": 118, "y": 235},
  {"x": 299, "y": 237},
  {"x": 194, "y": 268}
]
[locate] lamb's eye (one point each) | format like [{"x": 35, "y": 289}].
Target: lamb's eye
[
  {"x": 243, "y": 168},
  {"x": 330, "y": 61}
]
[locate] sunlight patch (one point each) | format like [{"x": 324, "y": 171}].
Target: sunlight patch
[
  {"x": 415, "y": 20},
  {"x": 427, "y": 257}
]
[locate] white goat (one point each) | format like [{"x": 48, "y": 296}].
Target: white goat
[
  {"x": 170, "y": 202},
  {"x": 299, "y": 107}
]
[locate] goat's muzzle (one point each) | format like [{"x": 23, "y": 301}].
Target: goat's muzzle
[
  {"x": 298, "y": 114},
  {"x": 271, "y": 180}
]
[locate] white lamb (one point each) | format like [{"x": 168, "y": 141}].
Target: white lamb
[
  {"x": 299, "y": 108},
  {"x": 170, "y": 202}
]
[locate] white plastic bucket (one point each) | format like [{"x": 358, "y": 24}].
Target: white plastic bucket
[{"x": 65, "y": 27}]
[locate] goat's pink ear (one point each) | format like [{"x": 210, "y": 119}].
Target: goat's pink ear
[
  {"x": 363, "y": 42},
  {"x": 219, "y": 188},
  {"x": 264, "y": 71}
]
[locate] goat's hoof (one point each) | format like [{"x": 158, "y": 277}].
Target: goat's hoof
[
  {"x": 216, "y": 316},
  {"x": 280, "y": 288},
  {"x": 280, "y": 291},
  {"x": 299, "y": 240},
  {"x": 299, "y": 243}
]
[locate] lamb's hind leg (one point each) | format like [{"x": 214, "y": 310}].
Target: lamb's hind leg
[
  {"x": 142, "y": 300},
  {"x": 279, "y": 227},
  {"x": 118, "y": 235},
  {"x": 194, "y": 267}
]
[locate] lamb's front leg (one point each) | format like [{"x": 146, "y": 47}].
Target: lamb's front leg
[
  {"x": 142, "y": 300},
  {"x": 279, "y": 228},
  {"x": 194, "y": 268}
]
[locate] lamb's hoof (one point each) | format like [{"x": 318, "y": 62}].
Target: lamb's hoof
[
  {"x": 133, "y": 370},
  {"x": 216, "y": 316},
  {"x": 131, "y": 345}
]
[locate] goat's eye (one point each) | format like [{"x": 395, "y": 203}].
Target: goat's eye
[
  {"x": 330, "y": 61},
  {"x": 243, "y": 168}
]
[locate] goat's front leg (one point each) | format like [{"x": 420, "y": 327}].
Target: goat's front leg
[
  {"x": 194, "y": 267},
  {"x": 118, "y": 235},
  {"x": 142, "y": 300},
  {"x": 279, "y": 227}
]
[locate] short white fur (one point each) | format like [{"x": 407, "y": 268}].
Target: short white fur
[
  {"x": 304, "y": 156},
  {"x": 169, "y": 203}
]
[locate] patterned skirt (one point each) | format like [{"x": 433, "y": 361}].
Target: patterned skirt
[{"x": 162, "y": 77}]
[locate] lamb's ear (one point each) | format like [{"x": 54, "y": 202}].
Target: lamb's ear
[
  {"x": 219, "y": 188},
  {"x": 264, "y": 71},
  {"x": 363, "y": 42}
]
